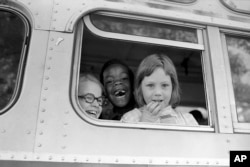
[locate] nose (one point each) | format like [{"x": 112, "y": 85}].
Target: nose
[
  {"x": 95, "y": 103},
  {"x": 118, "y": 82},
  {"x": 157, "y": 91}
]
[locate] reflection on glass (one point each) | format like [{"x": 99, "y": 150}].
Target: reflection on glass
[
  {"x": 239, "y": 56},
  {"x": 143, "y": 28},
  {"x": 182, "y": 1},
  {"x": 11, "y": 41},
  {"x": 238, "y": 5}
]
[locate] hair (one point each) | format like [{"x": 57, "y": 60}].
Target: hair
[
  {"x": 84, "y": 77},
  {"x": 147, "y": 67},
  {"x": 117, "y": 62}
]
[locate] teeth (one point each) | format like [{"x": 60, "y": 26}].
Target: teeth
[{"x": 120, "y": 93}]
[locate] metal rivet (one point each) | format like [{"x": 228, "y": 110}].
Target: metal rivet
[
  {"x": 177, "y": 162},
  {"x": 12, "y": 157},
  {"x": 197, "y": 162},
  {"x": 3, "y": 131},
  {"x": 38, "y": 26},
  {"x": 99, "y": 160},
  {"x": 87, "y": 160},
  {"x": 133, "y": 160},
  {"x": 50, "y": 157},
  {"x": 36, "y": 13},
  {"x": 62, "y": 158},
  {"x": 75, "y": 159},
  {"x": 37, "y": 157},
  {"x": 28, "y": 132},
  {"x": 63, "y": 147},
  {"x": 42, "y": 121},
  {"x": 68, "y": 9},
  {"x": 64, "y": 135},
  {"x": 116, "y": 160},
  {"x": 65, "y": 124},
  {"x": 52, "y": 39},
  {"x": 44, "y": 99},
  {"x": 150, "y": 161},
  {"x": 51, "y": 48},
  {"x": 43, "y": 110},
  {"x": 39, "y": 145},
  {"x": 50, "y": 58},
  {"x": 47, "y": 78},
  {"x": 41, "y": 133},
  {"x": 166, "y": 161},
  {"x": 25, "y": 157},
  {"x": 55, "y": 11}
]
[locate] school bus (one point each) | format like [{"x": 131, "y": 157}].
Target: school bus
[{"x": 46, "y": 44}]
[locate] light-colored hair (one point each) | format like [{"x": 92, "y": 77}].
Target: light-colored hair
[
  {"x": 84, "y": 77},
  {"x": 147, "y": 67}
]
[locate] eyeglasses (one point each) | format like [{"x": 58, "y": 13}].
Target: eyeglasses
[{"x": 90, "y": 98}]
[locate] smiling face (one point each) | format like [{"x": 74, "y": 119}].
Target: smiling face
[
  {"x": 88, "y": 87},
  {"x": 117, "y": 84},
  {"x": 157, "y": 87}
]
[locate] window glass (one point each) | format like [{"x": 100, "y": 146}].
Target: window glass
[
  {"x": 239, "y": 56},
  {"x": 182, "y": 1},
  {"x": 96, "y": 51},
  {"x": 12, "y": 33},
  {"x": 238, "y": 5},
  {"x": 143, "y": 28}
]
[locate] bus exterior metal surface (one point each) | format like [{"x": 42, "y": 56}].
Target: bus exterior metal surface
[{"x": 43, "y": 128}]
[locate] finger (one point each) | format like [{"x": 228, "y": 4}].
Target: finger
[
  {"x": 156, "y": 109},
  {"x": 152, "y": 107}
]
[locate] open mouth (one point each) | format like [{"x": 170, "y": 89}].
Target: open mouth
[
  {"x": 120, "y": 93},
  {"x": 92, "y": 113},
  {"x": 157, "y": 101}
]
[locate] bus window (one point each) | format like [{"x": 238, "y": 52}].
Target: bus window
[
  {"x": 242, "y": 6},
  {"x": 239, "y": 57},
  {"x": 144, "y": 28},
  {"x": 105, "y": 38},
  {"x": 12, "y": 36}
]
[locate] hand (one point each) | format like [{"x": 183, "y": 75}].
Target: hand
[
  {"x": 151, "y": 112},
  {"x": 132, "y": 116}
]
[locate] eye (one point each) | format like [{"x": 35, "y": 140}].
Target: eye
[
  {"x": 124, "y": 78},
  {"x": 165, "y": 85},
  {"x": 109, "y": 81},
  {"x": 150, "y": 85}
]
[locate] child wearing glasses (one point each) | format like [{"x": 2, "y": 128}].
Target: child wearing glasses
[
  {"x": 90, "y": 95},
  {"x": 156, "y": 93}
]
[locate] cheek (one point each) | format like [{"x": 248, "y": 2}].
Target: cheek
[
  {"x": 83, "y": 104},
  {"x": 146, "y": 95}
]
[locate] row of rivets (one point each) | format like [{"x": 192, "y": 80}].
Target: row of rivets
[{"x": 50, "y": 157}]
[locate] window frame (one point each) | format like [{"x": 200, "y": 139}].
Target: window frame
[
  {"x": 185, "y": 45},
  {"x": 23, "y": 55},
  {"x": 239, "y": 127}
]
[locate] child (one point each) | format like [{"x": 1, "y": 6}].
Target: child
[
  {"x": 90, "y": 95},
  {"x": 118, "y": 80},
  {"x": 156, "y": 92}
]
